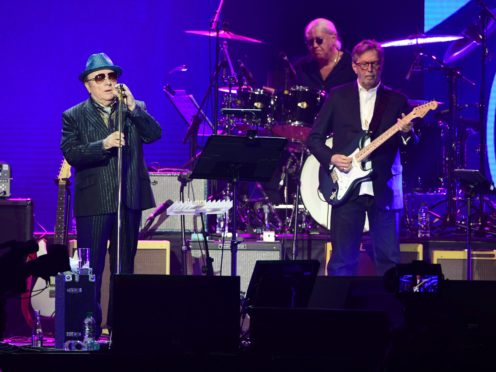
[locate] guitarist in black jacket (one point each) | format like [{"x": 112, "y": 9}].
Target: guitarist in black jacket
[
  {"x": 90, "y": 141},
  {"x": 351, "y": 110}
]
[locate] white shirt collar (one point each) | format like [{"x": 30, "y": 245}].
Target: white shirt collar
[{"x": 371, "y": 90}]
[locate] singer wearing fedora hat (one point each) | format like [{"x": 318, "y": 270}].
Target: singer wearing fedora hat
[{"x": 90, "y": 142}]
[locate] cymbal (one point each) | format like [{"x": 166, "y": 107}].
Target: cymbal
[
  {"x": 464, "y": 46},
  {"x": 420, "y": 39},
  {"x": 224, "y": 35}
]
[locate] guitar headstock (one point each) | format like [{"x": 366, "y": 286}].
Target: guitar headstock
[
  {"x": 422, "y": 110},
  {"x": 65, "y": 171}
]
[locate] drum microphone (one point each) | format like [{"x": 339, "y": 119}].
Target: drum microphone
[
  {"x": 288, "y": 64},
  {"x": 246, "y": 73},
  {"x": 413, "y": 67}
]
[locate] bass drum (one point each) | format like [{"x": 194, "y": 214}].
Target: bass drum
[{"x": 312, "y": 198}]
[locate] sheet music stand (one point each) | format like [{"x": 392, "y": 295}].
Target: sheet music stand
[{"x": 234, "y": 159}]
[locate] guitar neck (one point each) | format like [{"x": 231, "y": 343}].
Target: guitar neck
[{"x": 372, "y": 146}]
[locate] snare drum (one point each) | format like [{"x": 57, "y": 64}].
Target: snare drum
[
  {"x": 312, "y": 198},
  {"x": 295, "y": 111}
]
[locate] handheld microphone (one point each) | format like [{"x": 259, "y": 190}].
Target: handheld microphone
[{"x": 159, "y": 210}]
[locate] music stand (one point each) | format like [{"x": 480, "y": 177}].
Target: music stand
[
  {"x": 187, "y": 107},
  {"x": 234, "y": 159},
  {"x": 473, "y": 182}
]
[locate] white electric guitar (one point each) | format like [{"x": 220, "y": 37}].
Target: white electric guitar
[
  {"x": 335, "y": 185},
  {"x": 43, "y": 293}
]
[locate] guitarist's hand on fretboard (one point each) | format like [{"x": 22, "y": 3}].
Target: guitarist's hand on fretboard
[
  {"x": 403, "y": 125},
  {"x": 342, "y": 162}
]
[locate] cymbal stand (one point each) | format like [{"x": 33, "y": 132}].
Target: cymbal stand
[
  {"x": 453, "y": 137},
  {"x": 484, "y": 16},
  {"x": 215, "y": 27}
]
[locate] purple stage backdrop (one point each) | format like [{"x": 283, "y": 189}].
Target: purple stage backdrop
[{"x": 45, "y": 45}]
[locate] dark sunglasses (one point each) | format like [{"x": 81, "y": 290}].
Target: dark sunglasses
[
  {"x": 100, "y": 78},
  {"x": 310, "y": 42}
]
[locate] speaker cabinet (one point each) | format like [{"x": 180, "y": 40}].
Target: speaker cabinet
[
  {"x": 152, "y": 257},
  {"x": 454, "y": 264},
  {"x": 248, "y": 254},
  {"x": 165, "y": 186},
  {"x": 408, "y": 252},
  {"x": 16, "y": 219},
  {"x": 161, "y": 315}
]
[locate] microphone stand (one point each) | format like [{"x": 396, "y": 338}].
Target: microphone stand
[
  {"x": 120, "y": 115},
  {"x": 183, "y": 179}
]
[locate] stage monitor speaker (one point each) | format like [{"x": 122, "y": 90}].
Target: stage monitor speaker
[
  {"x": 152, "y": 257},
  {"x": 175, "y": 314},
  {"x": 165, "y": 186},
  {"x": 248, "y": 254},
  {"x": 354, "y": 339},
  {"x": 408, "y": 252},
  {"x": 454, "y": 264},
  {"x": 16, "y": 223}
]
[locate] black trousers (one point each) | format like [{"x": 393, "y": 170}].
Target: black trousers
[
  {"x": 99, "y": 233},
  {"x": 347, "y": 223}
]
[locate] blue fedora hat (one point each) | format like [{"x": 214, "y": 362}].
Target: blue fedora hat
[{"x": 99, "y": 61}]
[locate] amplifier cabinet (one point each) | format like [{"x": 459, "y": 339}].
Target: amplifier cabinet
[
  {"x": 408, "y": 252},
  {"x": 165, "y": 186},
  {"x": 454, "y": 264},
  {"x": 5, "y": 178},
  {"x": 16, "y": 219},
  {"x": 248, "y": 254}
]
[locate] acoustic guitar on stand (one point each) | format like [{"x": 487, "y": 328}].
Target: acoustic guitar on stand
[{"x": 335, "y": 185}]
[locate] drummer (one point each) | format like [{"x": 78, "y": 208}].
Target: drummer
[{"x": 326, "y": 65}]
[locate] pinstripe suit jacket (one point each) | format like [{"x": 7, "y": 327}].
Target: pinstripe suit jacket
[{"x": 96, "y": 186}]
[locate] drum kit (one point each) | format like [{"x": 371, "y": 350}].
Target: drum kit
[{"x": 292, "y": 201}]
